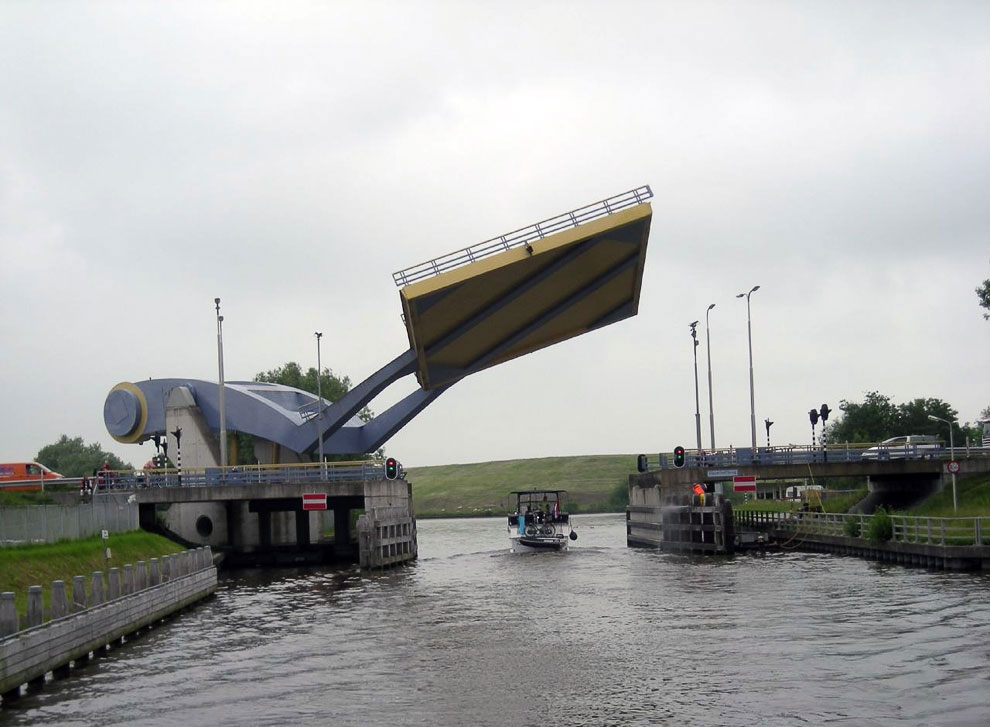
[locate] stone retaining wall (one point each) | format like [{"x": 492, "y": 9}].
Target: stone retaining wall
[{"x": 133, "y": 600}]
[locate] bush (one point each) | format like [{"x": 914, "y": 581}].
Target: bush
[
  {"x": 881, "y": 527},
  {"x": 852, "y": 527}
]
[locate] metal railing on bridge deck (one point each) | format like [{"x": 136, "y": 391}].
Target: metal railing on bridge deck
[
  {"x": 309, "y": 472},
  {"x": 805, "y": 454},
  {"x": 906, "y": 528},
  {"x": 518, "y": 238}
]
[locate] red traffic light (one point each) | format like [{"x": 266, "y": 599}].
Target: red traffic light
[
  {"x": 678, "y": 456},
  {"x": 391, "y": 468}
]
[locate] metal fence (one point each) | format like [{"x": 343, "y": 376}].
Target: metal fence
[
  {"x": 51, "y": 523},
  {"x": 803, "y": 454},
  {"x": 310, "y": 472},
  {"x": 520, "y": 237},
  {"x": 905, "y": 528}
]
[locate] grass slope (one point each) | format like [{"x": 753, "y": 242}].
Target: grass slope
[
  {"x": 38, "y": 565},
  {"x": 972, "y": 494},
  {"x": 593, "y": 483}
]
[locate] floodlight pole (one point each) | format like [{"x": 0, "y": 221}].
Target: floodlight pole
[
  {"x": 223, "y": 409},
  {"x": 952, "y": 456},
  {"x": 319, "y": 405},
  {"x": 752, "y": 396},
  {"x": 708, "y": 345}
]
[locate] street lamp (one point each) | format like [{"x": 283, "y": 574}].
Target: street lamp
[
  {"x": 319, "y": 402},
  {"x": 708, "y": 344},
  {"x": 952, "y": 456},
  {"x": 697, "y": 406},
  {"x": 752, "y": 397},
  {"x": 223, "y": 410}
]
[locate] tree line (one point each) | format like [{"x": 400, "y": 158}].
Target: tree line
[{"x": 877, "y": 418}]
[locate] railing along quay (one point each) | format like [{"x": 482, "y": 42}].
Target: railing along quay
[
  {"x": 906, "y": 528},
  {"x": 951, "y": 543}
]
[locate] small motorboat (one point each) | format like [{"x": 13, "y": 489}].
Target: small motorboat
[{"x": 539, "y": 524}]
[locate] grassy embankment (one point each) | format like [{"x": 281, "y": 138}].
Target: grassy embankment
[
  {"x": 38, "y": 565},
  {"x": 594, "y": 483}
]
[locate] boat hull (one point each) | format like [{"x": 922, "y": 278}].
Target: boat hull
[{"x": 538, "y": 543}]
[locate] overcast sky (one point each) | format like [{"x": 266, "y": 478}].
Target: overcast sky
[{"x": 288, "y": 157}]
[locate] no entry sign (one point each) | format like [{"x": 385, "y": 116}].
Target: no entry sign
[
  {"x": 314, "y": 501},
  {"x": 744, "y": 483}
]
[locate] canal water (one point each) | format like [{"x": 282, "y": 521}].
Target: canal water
[{"x": 600, "y": 635}]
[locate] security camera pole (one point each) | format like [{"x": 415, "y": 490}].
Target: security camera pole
[{"x": 697, "y": 405}]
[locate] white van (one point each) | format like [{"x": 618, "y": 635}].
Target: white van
[{"x": 911, "y": 446}]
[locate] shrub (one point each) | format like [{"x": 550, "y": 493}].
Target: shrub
[
  {"x": 881, "y": 527},
  {"x": 851, "y": 527}
]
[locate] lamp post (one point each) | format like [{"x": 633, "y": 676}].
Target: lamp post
[
  {"x": 223, "y": 410},
  {"x": 697, "y": 406},
  {"x": 708, "y": 345},
  {"x": 319, "y": 403},
  {"x": 752, "y": 397},
  {"x": 952, "y": 456}
]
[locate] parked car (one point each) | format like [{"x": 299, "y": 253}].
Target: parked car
[
  {"x": 911, "y": 446},
  {"x": 25, "y": 476}
]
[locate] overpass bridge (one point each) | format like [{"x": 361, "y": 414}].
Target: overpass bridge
[
  {"x": 800, "y": 462},
  {"x": 663, "y": 511}
]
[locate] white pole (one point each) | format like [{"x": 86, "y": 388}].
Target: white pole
[
  {"x": 952, "y": 457},
  {"x": 319, "y": 405},
  {"x": 752, "y": 395},
  {"x": 711, "y": 409},
  {"x": 697, "y": 406},
  {"x": 223, "y": 409}
]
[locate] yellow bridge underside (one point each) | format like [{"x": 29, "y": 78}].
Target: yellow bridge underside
[{"x": 526, "y": 298}]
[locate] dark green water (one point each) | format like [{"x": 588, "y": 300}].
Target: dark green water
[{"x": 601, "y": 635}]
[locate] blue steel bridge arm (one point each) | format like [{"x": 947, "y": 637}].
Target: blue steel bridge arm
[
  {"x": 345, "y": 408},
  {"x": 378, "y": 431}
]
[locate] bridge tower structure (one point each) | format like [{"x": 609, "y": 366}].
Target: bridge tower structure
[{"x": 464, "y": 312}]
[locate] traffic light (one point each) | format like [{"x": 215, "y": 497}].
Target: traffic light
[
  {"x": 391, "y": 468},
  {"x": 824, "y": 412},
  {"x": 641, "y": 464},
  {"x": 813, "y": 415},
  {"x": 678, "y": 456}
]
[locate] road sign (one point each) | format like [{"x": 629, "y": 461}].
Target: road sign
[
  {"x": 314, "y": 501},
  {"x": 720, "y": 474},
  {"x": 952, "y": 466},
  {"x": 744, "y": 483}
]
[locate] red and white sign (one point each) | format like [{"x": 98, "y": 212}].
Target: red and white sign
[
  {"x": 314, "y": 501},
  {"x": 952, "y": 466},
  {"x": 744, "y": 483}
]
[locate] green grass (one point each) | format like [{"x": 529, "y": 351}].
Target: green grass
[
  {"x": 972, "y": 493},
  {"x": 593, "y": 483},
  {"x": 38, "y": 565},
  {"x": 24, "y": 499}
]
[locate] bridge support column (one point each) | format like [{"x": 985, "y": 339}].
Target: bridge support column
[
  {"x": 235, "y": 523},
  {"x": 341, "y": 526},
  {"x": 302, "y": 529},
  {"x": 265, "y": 529}
]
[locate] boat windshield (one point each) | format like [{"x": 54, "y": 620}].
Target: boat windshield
[{"x": 532, "y": 500}]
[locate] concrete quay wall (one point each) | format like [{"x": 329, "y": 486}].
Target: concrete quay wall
[{"x": 139, "y": 599}]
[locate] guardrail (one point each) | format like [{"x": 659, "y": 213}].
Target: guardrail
[
  {"x": 314, "y": 472},
  {"x": 906, "y": 528},
  {"x": 803, "y": 454},
  {"x": 520, "y": 237}
]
